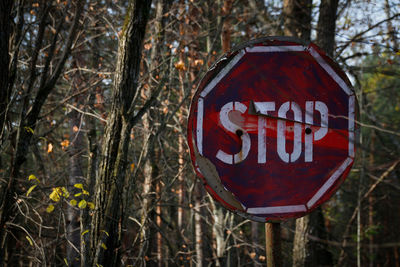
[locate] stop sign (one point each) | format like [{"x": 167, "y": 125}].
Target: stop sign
[{"x": 271, "y": 129}]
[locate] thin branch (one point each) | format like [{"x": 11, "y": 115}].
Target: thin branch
[
  {"x": 86, "y": 113},
  {"x": 359, "y": 35}
]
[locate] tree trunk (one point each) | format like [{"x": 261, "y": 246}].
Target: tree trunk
[
  {"x": 371, "y": 200},
  {"x": 159, "y": 226},
  {"x": 391, "y": 29},
  {"x": 327, "y": 26},
  {"x": 181, "y": 75},
  {"x": 255, "y": 243},
  {"x": 297, "y": 18},
  {"x": 226, "y": 26},
  {"x": 75, "y": 176},
  {"x": 198, "y": 231},
  {"x": 5, "y": 32},
  {"x": 107, "y": 221},
  {"x": 149, "y": 153},
  {"x": 92, "y": 163},
  {"x": 147, "y": 182},
  {"x": 305, "y": 251}
]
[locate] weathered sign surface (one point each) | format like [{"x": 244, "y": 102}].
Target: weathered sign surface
[{"x": 271, "y": 129}]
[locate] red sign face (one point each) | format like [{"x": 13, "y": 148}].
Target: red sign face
[{"x": 271, "y": 129}]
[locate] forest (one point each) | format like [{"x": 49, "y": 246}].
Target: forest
[{"x": 95, "y": 168}]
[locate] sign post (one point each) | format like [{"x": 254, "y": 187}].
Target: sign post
[
  {"x": 273, "y": 244},
  {"x": 271, "y": 129}
]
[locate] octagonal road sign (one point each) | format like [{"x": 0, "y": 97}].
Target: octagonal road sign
[{"x": 271, "y": 129}]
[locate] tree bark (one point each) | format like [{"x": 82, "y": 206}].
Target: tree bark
[
  {"x": 371, "y": 200},
  {"x": 93, "y": 155},
  {"x": 150, "y": 169},
  {"x": 255, "y": 243},
  {"x": 390, "y": 28},
  {"x": 181, "y": 75},
  {"x": 106, "y": 230},
  {"x": 305, "y": 251},
  {"x": 5, "y": 31},
  {"x": 75, "y": 176},
  {"x": 226, "y": 26},
  {"x": 297, "y": 18},
  {"x": 327, "y": 26}
]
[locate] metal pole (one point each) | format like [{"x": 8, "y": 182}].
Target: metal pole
[{"x": 273, "y": 244}]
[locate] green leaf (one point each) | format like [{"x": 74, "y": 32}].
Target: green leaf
[
  {"x": 32, "y": 177},
  {"x": 103, "y": 246},
  {"x": 84, "y": 232},
  {"x": 30, "y": 190},
  {"x": 77, "y": 194},
  {"x": 66, "y": 261}
]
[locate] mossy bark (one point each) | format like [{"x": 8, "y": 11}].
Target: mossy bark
[{"x": 106, "y": 227}]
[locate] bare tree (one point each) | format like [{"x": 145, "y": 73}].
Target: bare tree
[{"x": 31, "y": 107}]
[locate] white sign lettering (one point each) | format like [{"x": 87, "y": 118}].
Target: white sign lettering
[{"x": 266, "y": 108}]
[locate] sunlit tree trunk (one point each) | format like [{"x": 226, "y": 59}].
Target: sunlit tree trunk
[
  {"x": 159, "y": 226},
  {"x": 150, "y": 180},
  {"x": 181, "y": 74}
]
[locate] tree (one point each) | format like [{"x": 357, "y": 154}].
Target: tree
[
  {"x": 106, "y": 231},
  {"x": 30, "y": 108}
]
